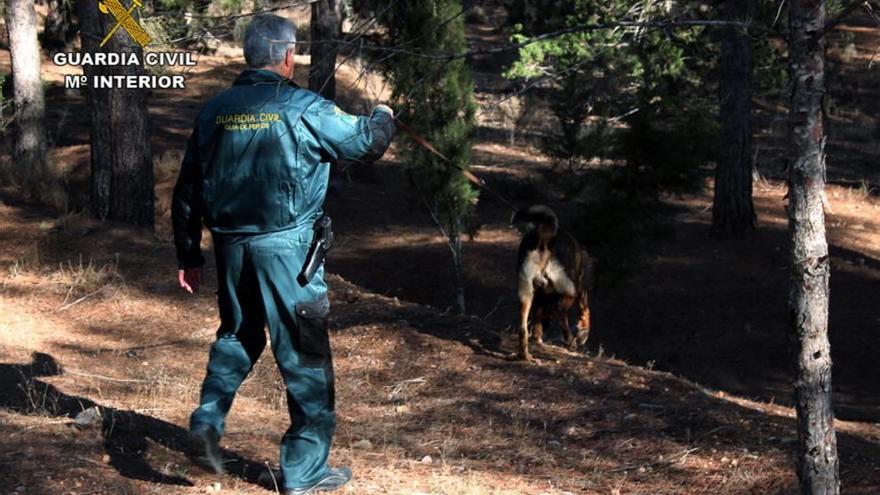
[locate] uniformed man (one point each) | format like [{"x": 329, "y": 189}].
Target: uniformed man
[{"x": 255, "y": 171}]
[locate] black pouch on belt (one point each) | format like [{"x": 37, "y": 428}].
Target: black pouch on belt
[{"x": 322, "y": 241}]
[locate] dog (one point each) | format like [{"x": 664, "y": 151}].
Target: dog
[{"x": 552, "y": 274}]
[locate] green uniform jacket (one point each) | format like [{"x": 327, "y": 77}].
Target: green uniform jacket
[{"x": 258, "y": 160}]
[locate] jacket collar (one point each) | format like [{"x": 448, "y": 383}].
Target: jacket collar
[{"x": 260, "y": 76}]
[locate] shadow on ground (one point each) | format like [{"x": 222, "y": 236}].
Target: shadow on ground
[{"x": 125, "y": 435}]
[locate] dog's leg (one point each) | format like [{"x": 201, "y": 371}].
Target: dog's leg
[
  {"x": 583, "y": 324},
  {"x": 526, "y": 295},
  {"x": 525, "y": 308},
  {"x": 538, "y": 326},
  {"x": 564, "y": 305}
]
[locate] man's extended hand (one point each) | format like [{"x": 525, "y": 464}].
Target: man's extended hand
[{"x": 190, "y": 278}]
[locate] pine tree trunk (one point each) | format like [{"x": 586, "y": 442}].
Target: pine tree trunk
[
  {"x": 457, "y": 273},
  {"x": 733, "y": 212},
  {"x": 122, "y": 168},
  {"x": 29, "y": 167},
  {"x": 810, "y": 268},
  {"x": 60, "y": 28},
  {"x": 326, "y": 26}
]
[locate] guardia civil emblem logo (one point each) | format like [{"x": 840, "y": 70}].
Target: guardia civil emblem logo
[{"x": 124, "y": 20}]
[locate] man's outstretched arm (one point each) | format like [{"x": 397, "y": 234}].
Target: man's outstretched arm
[
  {"x": 186, "y": 217},
  {"x": 349, "y": 137}
]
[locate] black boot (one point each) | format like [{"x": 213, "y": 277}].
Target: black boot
[
  {"x": 334, "y": 479},
  {"x": 205, "y": 450}
]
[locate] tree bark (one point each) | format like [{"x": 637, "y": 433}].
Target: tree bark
[
  {"x": 457, "y": 273},
  {"x": 29, "y": 167},
  {"x": 121, "y": 161},
  {"x": 326, "y": 29},
  {"x": 733, "y": 212},
  {"x": 60, "y": 28},
  {"x": 810, "y": 267}
]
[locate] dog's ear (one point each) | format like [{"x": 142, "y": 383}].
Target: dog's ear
[{"x": 536, "y": 216}]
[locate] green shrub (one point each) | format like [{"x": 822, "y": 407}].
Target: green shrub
[{"x": 436, "y": 97}]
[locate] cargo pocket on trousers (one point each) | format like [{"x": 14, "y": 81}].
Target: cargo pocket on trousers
[{"x": 313, "y": 340}]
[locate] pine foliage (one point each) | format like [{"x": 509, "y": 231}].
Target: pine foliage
[{"x": 436, "y": 98}]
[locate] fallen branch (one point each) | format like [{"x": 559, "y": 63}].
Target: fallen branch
[
  {"x": 397, "y": 389},
  {"x": 712, "y": 432},
  {"x": 86, "y": 459},
  {"x": 497, "y": 306},
  {"x": 272, "y": 474},
  {"x": 83, "y": 298},
  {"x": 102, "y": 377}
]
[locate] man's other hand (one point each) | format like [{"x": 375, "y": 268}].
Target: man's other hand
[
  {"x": 384, "y": 108},
  {"x": 190, "y": 279}
]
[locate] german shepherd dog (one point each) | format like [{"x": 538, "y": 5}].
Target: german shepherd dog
[{"x": 551, "y": 269}]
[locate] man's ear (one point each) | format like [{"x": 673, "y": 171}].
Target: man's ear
[
  {"x": 289, "y": 60},
  {"x": 289, "y": 57}
]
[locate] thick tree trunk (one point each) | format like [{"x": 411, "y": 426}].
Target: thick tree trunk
[
  {"x": 733, "y": 212},
  {"x": 29, "y": 168},
  {"x": 60, "y": 28},
  {"x": 122, "y": 168},
  {"x": 326, "y": 29},
  {"x": 810, "y": 268}
]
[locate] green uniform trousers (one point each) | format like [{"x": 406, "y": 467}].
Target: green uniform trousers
[{"x": 257, "y": 287}]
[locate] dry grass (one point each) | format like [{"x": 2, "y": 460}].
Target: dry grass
[
  {"x": 419, "y": 412},
  {"x": 167, "y": 166},
  {"x": 30, "y": 259},
  {"x": 861, "y": 192},
  {"x": 81, "y": 278},
  {"x": 40, "y": 400}
]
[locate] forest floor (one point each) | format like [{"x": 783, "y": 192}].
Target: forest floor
[{"x": 684, "y": 388}]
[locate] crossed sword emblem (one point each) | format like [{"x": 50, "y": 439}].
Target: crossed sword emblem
[{"x": 125, "y": 20}]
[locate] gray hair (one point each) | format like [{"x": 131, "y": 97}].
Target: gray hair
[{"x": 266, "y": 40}]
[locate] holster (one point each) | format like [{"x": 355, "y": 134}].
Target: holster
[{"x": 322, "y": 241}]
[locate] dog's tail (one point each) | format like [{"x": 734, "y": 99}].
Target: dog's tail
[{"x": 542, "y": 217}]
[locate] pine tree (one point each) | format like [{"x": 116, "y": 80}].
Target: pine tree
[
  {"x": 733, "y": 211},
  {"x": 435, "y": 97},
  {"x": 29, "y": 169},
  {"x": 818, "y": 463},
  {"x": 121, "y": 160},
  {"x": 60, "y": 27},
  {"x": 326, "y": 30}
]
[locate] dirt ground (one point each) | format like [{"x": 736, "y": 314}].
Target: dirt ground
[{"x": 685, "y": 387}]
